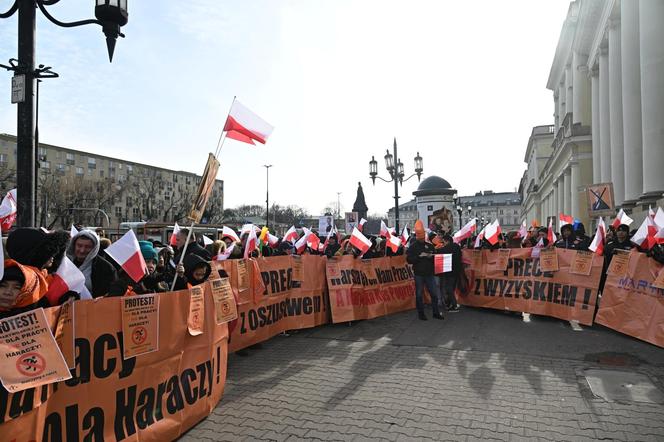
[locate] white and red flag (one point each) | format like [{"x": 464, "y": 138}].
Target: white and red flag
[
  {"x": 68, "y": 278},
  {"x": 535, "y": 252},
  {"x": 245, "y": 126},
  {"x": 291, "y": 235},
  {"x": 597, "y": 245},
  {"x": 230, "y": 233},
  {"x": 621, "y": 218},
  {"x": 251, "y": 244},
  {"x": 565, "y": 219},
  {"x": 659, "y": 218},
  {"x": 225, "y": 254},
  {"x": 313, "y": 241},
  {"x": 466, "y": 231},
  {"x": 645, "y": 236},
  {"x": 523, "y": 230},
  {"x": 393, "y": 242},
  {"x": 359, "y": 241},
  {"x": 550, "y": 234},
  {"x": 272, "y": 240},
  {"x": 651, "y": 213},
  {"x": 384, "y": 230},
  {"x": 442, "y": 263},
  {"x": 333, "y": 231},
  {"x": 73, "y": 231},
  {"x": 405, "y": 235},
  {"x": 127, "y": 253},
  {"x": 360, "y": 225},
  {"x": 172, "y": 241},
  {"x": 8, "y": 210},
  {"x": 479, "y": 238},
  {"x": 492, "y": 232},
  {"x": 659, "y": 237}
]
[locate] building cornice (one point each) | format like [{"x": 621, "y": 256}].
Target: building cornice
[{"x": 600, "y": 32}]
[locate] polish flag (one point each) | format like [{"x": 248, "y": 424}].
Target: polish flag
[
  {"x": 228, "y": 232},
  {"x": 597, "y": 245},
  {"x": 67, "y": 278},
  {"x": 405, "y": 235},
  {"x": 550, "y": 234},
  {"x": 245, "y": 126},
  {"x": 565, "y": 219},
  {"x": 359, "y": 241},
  {"x": 272, "y": 240},
  {"x": 313, "y": 241},
  {"x": 660, "y": 236},
  {"x": 301, "y": 244},
  {"x": 394, "y": 242},
  {"x": 384, "y": 230},
  {"x": 360, "y": 225},
  {"x": 247, "y": 227},
  {"x": 523, "y": 231},
  {"x": 621, "y": 218},
  {"x": 645, "y": 236},
  {"x": 659, "y": 218},
  {"x": 442, "y": 263},
  {"x": 492, "y": 231},
  {"x": 651, "y": 213},
  {"x": 250, "y": 245},
  {"x": 127, "y": 253},
  {"x": 291, "y": 234},
  {"x": 73, "y": 231},
  {"x": 480, "y": 237},
  {"x": 535, "y": 252},
  {"x": 173, "y": 240},
  {"x": 333, "y": 231},
  {"x": 8, "y": 210},
  {"x": 466, "y": 231},
  {"x": 225, "y": 254}
]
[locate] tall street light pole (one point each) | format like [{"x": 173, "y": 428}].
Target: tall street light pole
[
  {"x": 394, "y": 166},
  {"x": 338, "y": 207},
  {"x": 111, "y": 16},
  {"x": 267, "y": 194}
]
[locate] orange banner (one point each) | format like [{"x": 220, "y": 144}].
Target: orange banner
[
  {"x": 369, "y": 288},
  {"x": 154, "y": 396},
  {"x": 524, "y": 287},
  {"x": 275, "y": 302},
  {"x": 631, "y": 303}
]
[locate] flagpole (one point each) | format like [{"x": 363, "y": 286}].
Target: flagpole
[
  {"x": 222, "y": 137},
  {"x": 184, "y": 250}
]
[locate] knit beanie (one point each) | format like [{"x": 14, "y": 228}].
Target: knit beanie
[
  {"x": 148, "y": 252},
  {"x": 419, "y": 230},
  {"x": 34, "y": 247}
]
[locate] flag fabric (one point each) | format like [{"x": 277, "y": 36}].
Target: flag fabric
[
  {"x": 301, "y": 244},
  {"x": 333, "y": 231},
  {"x": 597, "y": 245},
  {"x": 479, "y": 238},
  {"x": 8, "y": 210},
  {"x": 360, "y": 225},
  {"x": 645, "y": 236},
  {"x": 442, "y": 263},
  {"x": 651, "y": 213},
  {"x": 73, "y": 231},
  {"x": 127, "y": 253},
  {"x": 621, "y": 218},
  {"x": 207, "y": 241},
  {"x": 466, "y": 231},
  {"x": 659, "y": 237},
  {"x": 384, "y": 230},
  {"x": 550, "y": 234},
  {"x": 565, "y": 219},
  {"x": 272, "y": 240},
  {"x": 291, "y": 234},
  {"x": 394, "y": 242},
  {"x": 405, "y": 235},
  {"x": 230, "y": 233},
  {"x": 359, "y": 241},
  {"x": 67, "y": 278},
  {"x": 523, "y": 230},
  {"x": 492, "y": 231},
  {"x": 535, "y": 253},
  {"x": 251, "y": 244},
  {"x": 205, "y": 189},
  {"x": 659, "y": 218},
  {"x": 313, "y": 241},
  {"x": 172, "y": 241},
  {"x": 245, "y": 126},
  {"x": 225, "y": 254}
]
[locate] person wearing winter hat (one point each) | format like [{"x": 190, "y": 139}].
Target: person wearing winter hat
[
  {"x": 567, "y": 238},
  {"x": 420, "y": 256},
  {"x": 22, "y": 288},
  {"x": 83, "y": 250},
  {"x": 37, "y": 248}
]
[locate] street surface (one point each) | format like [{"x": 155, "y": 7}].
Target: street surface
[{"x": 479, "y": 374}]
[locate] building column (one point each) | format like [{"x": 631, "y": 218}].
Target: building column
[
  {"x": 567, "y": 192},
  {"x": 561, "y": 195},
  {"x": 581, "y": 90},
  {"x": 651, "y": 17},
  {"x": 616, "y": 113},
  {"x": 596, "y": 136},
  {"x": 554, "y": 199},
  {"x": 569, "y": 83},
  {"x": 562, "y": 94},
  {"x": 604, "y": 121},
  {"x": 631, "y": 99},
  {"x": 556, "y": 116},
  {"x": 575, "y": 180}
]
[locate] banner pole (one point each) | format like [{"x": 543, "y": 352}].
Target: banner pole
[
  {"x": 222, "y": 138},
  {"x": 184, "y": 250}
]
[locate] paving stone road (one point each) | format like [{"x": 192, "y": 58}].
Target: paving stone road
[{"x": 480, "y": 374}]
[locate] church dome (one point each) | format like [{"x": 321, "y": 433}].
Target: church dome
[{"x": 434, "y": 183}]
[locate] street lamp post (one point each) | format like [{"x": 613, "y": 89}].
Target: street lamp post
[
  {"x": 338, "y": 207},
  {"x": 111, "y": 16},
  {"x": 267, "y": 194},
  {"x": 394, "y": 166}
]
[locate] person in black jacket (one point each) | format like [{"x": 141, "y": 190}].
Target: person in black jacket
[
  {"x": 448, "y": 281},
  {"x": 420, "y": 256},
  {"x": 567, "y": 240},
  {"x": 83, "y": 250}
]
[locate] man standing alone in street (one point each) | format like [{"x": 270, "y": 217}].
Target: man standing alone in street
[{"x": 420, "y": 256}]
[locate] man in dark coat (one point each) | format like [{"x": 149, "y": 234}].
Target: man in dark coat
[
  {"x": 192, "y": 247},
  {"x": 448, "y": 280},
  {"x": 420, "y": 256},
  {"x": 83, "y": 251},
  {"x": 567, "y": 238}
]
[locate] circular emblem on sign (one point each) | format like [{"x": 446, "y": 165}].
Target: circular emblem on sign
[
  {"x": 225, "y": 308},
  {"x": 31, "y": 364},
  {"x": 196, "y": 319},
  {"x": 139, "y": 335}
]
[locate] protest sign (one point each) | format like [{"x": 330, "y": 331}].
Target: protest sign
[
  {"x": 196, "y": 313},
  {"x": 582, "y": 262},
  {"x": 549, "y": 260},
  {"x": 619, "y": 263},
  {"x": 140, "y": 324},
  {"x": 224, "y": 302}
]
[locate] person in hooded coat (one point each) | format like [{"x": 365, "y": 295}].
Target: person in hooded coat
[
  {"x": 582, "y": 241},
  {"x": 196, "y": 271},
  {"x": 22, "y": 288},
  {"x": 567, "y": 238},
  {"x": 83, "y": 251},
  {"x": 420, "y": 256},
  {"x": 37, "y": 248},
  {"x": 192, "y": 248}
]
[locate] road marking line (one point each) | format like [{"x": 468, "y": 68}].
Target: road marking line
[{"x": 575, "y": 325}]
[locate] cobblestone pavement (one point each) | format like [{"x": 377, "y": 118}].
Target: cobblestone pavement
[{"x": 480, "y": 374}]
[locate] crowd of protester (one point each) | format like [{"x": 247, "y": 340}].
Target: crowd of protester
[{"x": 33, "y": 255}]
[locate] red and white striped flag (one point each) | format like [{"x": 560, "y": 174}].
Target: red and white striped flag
[
  {"x": 659, "y": 237},
  {"x": 442, "y": 263},
  {"x": 466, "y": 231},
  {"x": 492, "y": 231},
  {"x": 291, "y": 234},
  {"x": 651, "y": 213},
  {"x": 172, "y": 241},
  {"x": 67, "y": 278},
  {"x": 360, "y": 225},
  {"x": 645, "y": 236},
  {"x": 384, "y": 230},
  {"x": 479, "y": 238},
  {"x": 245, "y": 126},
  {"x": 8, "y": 210},
  {"x": 621, "y": 218},
  {"x": 127, "y": 253},
  {"x": 523, "y": 230},
  {"x": 405, "y": 235},
  {"x": 313, "y": 241},
  {"x": 272, "y": 240},
  {"x": 230, "y": 233},
  {"x": 550, "y": 234},
  {"x": 359, "y": 241},
  {"x": 597, "y": 245},
  {"x": 225, "y": 254},
  {"x": 251, "y": 244},
  {"x": 565, "y": 219},
  {"x": 659, "y": 218}
]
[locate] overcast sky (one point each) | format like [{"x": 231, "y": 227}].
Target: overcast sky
[{"x": 462, "y": 82}]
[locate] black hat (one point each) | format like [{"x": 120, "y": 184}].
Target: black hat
[
  {"x": 34, "y": 247},
  {"x": 13, "y": 273},
  {"x": 567, "y": 227},
  {"x": 623, "y": 228}
]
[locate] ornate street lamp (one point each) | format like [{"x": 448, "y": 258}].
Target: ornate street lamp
[
  {"x": 111, "y": 15},
  {"x": 395, "y": 168}
]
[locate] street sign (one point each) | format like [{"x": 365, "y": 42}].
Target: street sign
[{"x": 18, "y": 88}]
